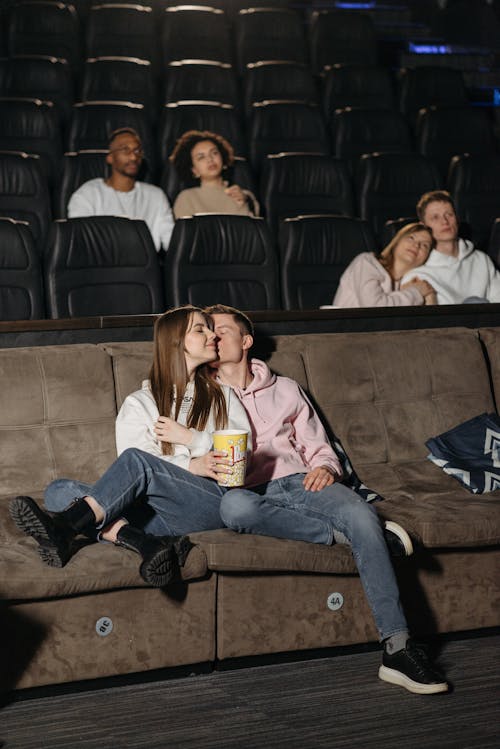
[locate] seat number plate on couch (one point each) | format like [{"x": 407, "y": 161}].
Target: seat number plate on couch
[{"x": 335, "y": 601}]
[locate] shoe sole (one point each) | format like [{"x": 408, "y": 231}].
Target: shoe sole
[
  {"x": 32, "y": 521},
  {"x": 161, "y": 569},
  {"x": 396, "y": 677},
  {"x": 401, "y": 534}
]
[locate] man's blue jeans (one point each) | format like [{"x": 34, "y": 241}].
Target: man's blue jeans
[
  {"x": 152, "y": 493},
  {"x": 285, "y": 509}
]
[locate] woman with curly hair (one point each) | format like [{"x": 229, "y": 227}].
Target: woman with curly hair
[{"x": 201, "y": 157}]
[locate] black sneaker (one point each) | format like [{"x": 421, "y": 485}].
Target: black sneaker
[
  {"x": 397, "y": 539},
  {"x": 55, "y": 539},
  {"x": 410, "y": 668}
]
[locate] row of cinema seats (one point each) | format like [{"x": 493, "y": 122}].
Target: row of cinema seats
[
  {"x": 386, "y": 186},
  {"x": 32, "y": 125},
  {"x": 123, "y": 78},
  {"x": 108, "y": 265},
  {"x": 161, "y": 34}
]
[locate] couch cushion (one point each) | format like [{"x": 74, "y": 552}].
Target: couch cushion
[
  {"x": 385, "y": 394},
  {"x": 131, "y": 365},
  {"x": 57, "y": 413},
  {"x": 228, "y": 551},
  {"x": 94, "y": 568}
]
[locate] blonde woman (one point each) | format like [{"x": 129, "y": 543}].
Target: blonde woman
[{"x": 375, "y": 281}]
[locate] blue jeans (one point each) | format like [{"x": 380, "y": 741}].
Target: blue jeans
[
  {"x": 283, "y": 508},
  {"x": 152, "y": 493}
]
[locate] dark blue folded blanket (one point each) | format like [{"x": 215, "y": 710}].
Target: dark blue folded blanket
[{"x": 470, "y": 452}]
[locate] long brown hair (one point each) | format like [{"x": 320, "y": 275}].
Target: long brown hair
[{"x": 169, "y": 375}]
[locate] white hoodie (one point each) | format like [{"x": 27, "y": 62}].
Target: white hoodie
[
  {"x": 470, "y": 274},
  {"x": 139, "y": 413}
]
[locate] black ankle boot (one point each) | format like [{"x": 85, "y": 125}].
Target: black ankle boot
[
  {"x": 161, "y": 555},
  {"x": 54, "y": 534}
]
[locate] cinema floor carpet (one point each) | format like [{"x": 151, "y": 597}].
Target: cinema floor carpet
[{"x": 336, "y": 702}]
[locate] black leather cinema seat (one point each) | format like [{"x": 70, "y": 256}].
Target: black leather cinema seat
[
  {"x": 286, "y": 126},
  {"x": 442, "y": 133},
  {"x": 223, "y": 259},
  {"x": 32, "y": 126},
  {"x": 21, "y": 292},
  {"x": 119, "y": 79},
  {"x": 178, "y": 117},
  {"x": 44, "y": 28},
  {"x": 474, "y": 182},
  {"x": 341, "y": 36},
  {"x": 298, "y": 183},
  {"x": 359, "y": 131},
  {"x": 201, "y": 80},
  {"x": 278, "y": 80},
  {"x": 494, "y": 242},
  {"x": 269, "y": 34},
  {"x": 314, "y": 252},
  {"x": 191, "y": 32},
  {"x": 24, "y": 194},
  {"x": 388, "y": 186},
  {"x": 122, "y": 30},
  {"x": 428, "y": 85},
  {"x": 365, "y": 86},
  {"x": 40, "y": 77},
  {"x": 102, "y": 265}
]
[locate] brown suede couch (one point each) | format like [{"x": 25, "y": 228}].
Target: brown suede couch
[{"x": 383, "y": 393}]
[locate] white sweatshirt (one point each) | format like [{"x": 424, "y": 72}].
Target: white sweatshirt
[
  {"x": 139, "y": 413},
  {"x": 470, "y": 274},
  {"x": 146, "y": 202}
]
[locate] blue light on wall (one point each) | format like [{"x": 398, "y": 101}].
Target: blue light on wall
[
  {"x": 496, "y": 97},
  {"x": 429, "y": 49},
  {"x": 356, "y": 6}
]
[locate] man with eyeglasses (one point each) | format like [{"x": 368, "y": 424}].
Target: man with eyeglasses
[
  {"x": 121, "y": 194},
  {"x": 455, "y": 269}
]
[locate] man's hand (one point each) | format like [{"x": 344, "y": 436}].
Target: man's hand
[
  {"x": 210, "y": 465},
  {"x": 168, "y": 430},
  {"x": 318, "y": 478}
]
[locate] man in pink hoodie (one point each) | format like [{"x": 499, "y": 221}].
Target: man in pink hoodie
[{"x": 293, "y": 490}]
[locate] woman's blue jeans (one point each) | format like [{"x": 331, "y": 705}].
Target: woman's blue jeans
[
  {"x": 285, "y": 509},
  {"x": 151, "y": 493},
  {"x": 164, "y": 499}
]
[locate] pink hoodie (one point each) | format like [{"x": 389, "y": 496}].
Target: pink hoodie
[{"x": 288, "y": 436}]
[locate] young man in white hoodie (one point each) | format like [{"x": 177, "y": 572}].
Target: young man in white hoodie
[
  {"x": 455, "y": 269},
  {"x": 293, "y": 490}
]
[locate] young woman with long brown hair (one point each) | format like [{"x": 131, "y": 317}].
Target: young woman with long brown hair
[{"x": 165, "y": 478}]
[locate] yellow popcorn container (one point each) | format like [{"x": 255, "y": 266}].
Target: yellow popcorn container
[{"x": 234, "y": 443}]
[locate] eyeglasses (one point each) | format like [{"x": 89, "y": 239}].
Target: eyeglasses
[
  {"x": 419, "y": 243},
  {"x": 127, "y": 151}
]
